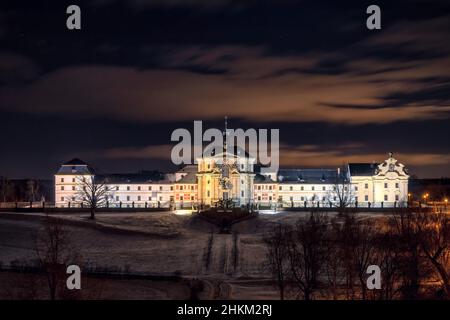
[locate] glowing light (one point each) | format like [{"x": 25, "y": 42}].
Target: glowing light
[
  {"x": 267, "y": 212},
  {"x": 183, "y": 212}
]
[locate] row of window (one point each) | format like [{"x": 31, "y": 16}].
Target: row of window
[
  {"x": 208, "y": 166},
  {"x": 128, "y": 188},
  {"x": 291, "y": 188},
  {"x": 128, "y": 198},
  {"x": 315, "y": 198}
]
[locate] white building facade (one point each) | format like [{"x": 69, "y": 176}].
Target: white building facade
[{"x": 235, "y": 177}]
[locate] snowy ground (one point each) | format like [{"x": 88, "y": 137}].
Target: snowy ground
[{"x": 163, "y": 243}]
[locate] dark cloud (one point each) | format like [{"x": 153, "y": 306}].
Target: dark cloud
[{"x": 139, "y": 69}]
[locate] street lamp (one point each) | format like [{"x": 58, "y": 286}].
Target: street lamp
[{"x": 425, "y": 198}]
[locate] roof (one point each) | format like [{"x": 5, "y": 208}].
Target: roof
[
  {"x": 75, "y": 167},
  {"x": 362, "y": 169},
  {"x": 75, "y": 162},
  {"x": 191, "y": 177},
  {"x": 188, "y": 168},
  {"x": 316, "y": 176},
  {"x": 260, "y": 178},
  {"x": 131, "y": 178}
]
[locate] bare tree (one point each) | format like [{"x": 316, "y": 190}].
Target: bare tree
[
  {"x": 307, "y": 252},
  {"x": 434, "y": 237},
  {"x": 55, "y": 252},
  {"x": 333, "y": 261},
  {"x": 5, "y": 188},
  {"x": 93, "y": 194},
  {"x": 277, "y": 255},
  {"x": 364, "y": 254},
  {"x": 404, "y": 225},
  {"x": 388, "y": 258},
  {"x": 342, "y": 195},
  {"x": 32, "y": 191}
]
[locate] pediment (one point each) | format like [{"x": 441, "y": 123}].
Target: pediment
[{"x": 391, "y": 168}]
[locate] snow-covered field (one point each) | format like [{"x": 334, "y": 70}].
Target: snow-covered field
[{"x": 162, "y": 243}]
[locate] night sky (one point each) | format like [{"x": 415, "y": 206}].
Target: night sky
[{"x": 112, "y": 92}]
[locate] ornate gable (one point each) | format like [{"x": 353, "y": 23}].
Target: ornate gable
[{"x": 391, "y": 168}]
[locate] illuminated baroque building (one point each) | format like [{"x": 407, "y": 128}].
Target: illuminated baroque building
[{"x": 238, "y": 179}]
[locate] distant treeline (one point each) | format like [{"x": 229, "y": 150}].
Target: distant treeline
[
  {"x": 438, "y": 189},
  {"x": 18, "y": 190}
]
